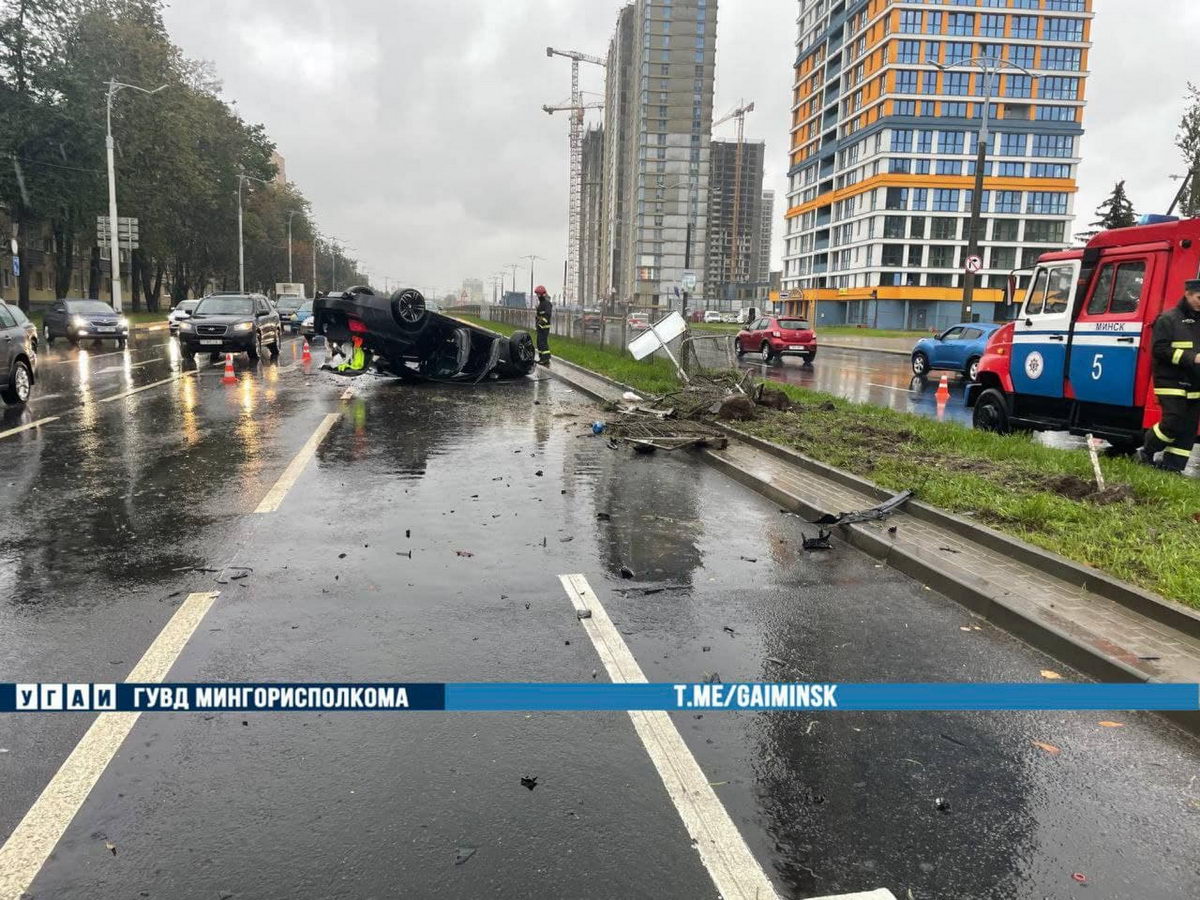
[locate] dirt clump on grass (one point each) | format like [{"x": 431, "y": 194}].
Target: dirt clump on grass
[{"x": 1075, "y": 488}]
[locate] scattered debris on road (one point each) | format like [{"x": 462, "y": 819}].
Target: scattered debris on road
[
  {"x": 820, "y": 542},
  {"x": 466, "y": 553},
  {"x": 1049, "y": 748},
  {"x": 463, "y": 854},
  {"x": 626, "y": 572},
  {"x": 882, "y": 511},
  {"x": 941, "y": 804},
  {"x": 529, "y": 781}
]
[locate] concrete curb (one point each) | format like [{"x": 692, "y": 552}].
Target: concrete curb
[
  {"x": 971, "y": 593},
  {"x": 862, "y": 349}
]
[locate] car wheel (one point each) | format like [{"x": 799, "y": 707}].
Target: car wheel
[
  {"x": 521, "y": 351},
  {"x": 408, "y": 309},
  {"x": 46, "y": 334},
  {"x": 121, "y": 343},
  {"x": 255, "y": 350},
  {"x": 991, "y": 412},
  {"x": 808, "y": 360},
  {"x": 971, "y": 372},
  {"x": 920, "y": 364},
  {"x": 737, "y": 348},
  {"x": 765, "y": 349},
  {"x": 19, "y": 384},
  {"x": 73, "y": 341},
  {"x": 275, "y": 345}
]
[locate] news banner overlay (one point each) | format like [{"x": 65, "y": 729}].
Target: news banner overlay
[{"x": 493, "y": 696}]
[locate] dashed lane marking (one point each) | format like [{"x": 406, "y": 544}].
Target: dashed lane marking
[
  {"x": 26, "y": 427},
  {"x": 295, "y": 468},
  {"x": 146, "y": 387},
  {"x": 35, "y": 837},
  {"x": 733, "y": 868}
]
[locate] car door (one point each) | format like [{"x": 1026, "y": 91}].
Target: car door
[
  {"x": 262, "y": 313},
  {"x": 55, "y": 324},
  {"x": 945, "y": 347},
  {"x": 968, "y": 346},
  {"x": 1040, "y": 331},
  {"x": 12, "y": 338},
  {"x": 1107, "y": 336}
]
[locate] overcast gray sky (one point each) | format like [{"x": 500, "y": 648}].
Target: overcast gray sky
[{"x": 415, "y": 126}]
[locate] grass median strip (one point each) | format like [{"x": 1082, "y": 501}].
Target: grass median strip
[{"x": 1145, "y": 529}]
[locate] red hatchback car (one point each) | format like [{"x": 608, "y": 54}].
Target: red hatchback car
[{"x": 776, "y": 336}]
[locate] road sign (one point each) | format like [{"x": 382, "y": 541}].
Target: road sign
[
  {"x": 657, "y": 335},
  {"x": 688, "y": 281},
  {"x": 127, "y": 231},
  {"x": 974, "y": 264},
  {"x": 16, "y": 267}
]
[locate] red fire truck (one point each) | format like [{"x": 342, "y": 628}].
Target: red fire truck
[{"x": 1076, "y": 357}]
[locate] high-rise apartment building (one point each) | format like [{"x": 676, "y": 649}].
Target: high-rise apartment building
[
  {"x": 886, "y": 111},
  {"x": 733, "y": 258},
  {"x": 765, "y": 233},
  {"x": 589, "y": 291},
  {"x": 657, "y": 120}
]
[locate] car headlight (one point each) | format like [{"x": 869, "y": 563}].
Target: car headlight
[
  {"x": 122, "y": 322},
  {"x": 244, "y": 326},
  {"x": 186, "y": 326},
  {"x": 79, "y": 322}
]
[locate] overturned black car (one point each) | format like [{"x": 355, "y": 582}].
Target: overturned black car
[{"x": 414, "y": 343}]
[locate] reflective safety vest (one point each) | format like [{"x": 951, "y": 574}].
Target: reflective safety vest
[
  {"x": 357, "y": 361},
  {"x": 1176, "y": 336}
]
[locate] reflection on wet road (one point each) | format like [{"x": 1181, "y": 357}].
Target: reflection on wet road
[{"x": 118, "y": 510}]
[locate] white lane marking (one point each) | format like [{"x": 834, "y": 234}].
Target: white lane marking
[
  {"x": 35, "y": 837},
  {"x": 733, "y": 868},
  {"x": 348, "y": 394},
  {"x": 275, "y": 495},
  {"x": 146, "y": 387},
  {"x": 137, "y": 365},
  {"x": 890, "y": 388},
  {"x": 38, "y": 424}
]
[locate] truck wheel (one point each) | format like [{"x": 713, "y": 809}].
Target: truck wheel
[
  {"x": 920, "y": 364},
  {"x": 971, "y": 372},
  {"x": 408, "y": 309},
  {"x": 991, "y": 412}
]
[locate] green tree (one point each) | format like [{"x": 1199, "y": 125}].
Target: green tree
[
  {"x": 1115, "y": 212},
  {"x": 1187, "y": 139}
]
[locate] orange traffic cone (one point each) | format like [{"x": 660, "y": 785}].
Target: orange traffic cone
[
  {"x": 229, "y": 377},
  {"x": 943, "y": 390},
  {"x": 306, "y": 354}
]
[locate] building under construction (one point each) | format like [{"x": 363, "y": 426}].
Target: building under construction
[
  {"x": 735, "y": 253},
  {"x": 657, "y": 122},
  {"x": 590, "y": 292}
]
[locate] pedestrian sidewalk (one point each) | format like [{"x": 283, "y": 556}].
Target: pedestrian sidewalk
[{"x": 1017, "y": 591}]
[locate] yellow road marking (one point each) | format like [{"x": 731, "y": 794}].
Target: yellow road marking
[{"x": 35, "y": 837}]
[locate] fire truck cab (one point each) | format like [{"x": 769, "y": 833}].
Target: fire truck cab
[{"x": 1077, "y": 356}]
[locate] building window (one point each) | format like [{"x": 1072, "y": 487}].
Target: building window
[
  {"x": 951, "y": 142},
  {"x": 924, "y": 141},
  {"x": 896, "y": 198},
  {"x": 893, "y": 255},
  {"x": 991, "y": 25},
  {"x": 962, "y": 23},
  {"x": 1053, "y": 145},
  {"x": 1003, "y": 258},
  {"x": 1008, "y": 201},
  {"x": 1005, "y": 229},
  {"x": 954, "y": 110},
  {"x": 1038, "y": 232},
  {"x": 920, "y": 197},
  {"x": 1046, "y": 203},
  {"x": 909, "y": 52},
  {"x": 1011, "y": 170},
  {"x": 1020, "y": 86},
  {"x": 945, "y": 200},
  {"x": 1062, "y": 58},
  {"x": 955, "y": 83},
  {"x": 898, "y": 166},
  {"x": 1064, "y": 29},
  {"x": 893, "y": 226},
  {"x": 910, "y": 21},
  {"x": 902, "y": 141},
  {"x": 958, "y": 51},
  {"x": 1012, "y": 144},
  {"x": 1056, "y": 113},
  {"x": 943, "y": 228},
  {"x": 1021, "y": 54},
  {"x": 1057, "y": 87},
  {"x": 949, "y": 167},
  {"x": 941, "y": 256},
  {"x": 906, "y": 108},
  {"x": 906, "y": 81},
  {"x": 1050, "y": 170},
  {"x": 1024, "y": 27}
]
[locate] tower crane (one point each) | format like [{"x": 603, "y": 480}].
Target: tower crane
[
  {"x": 732, "y": 260},
  {"x": 575, "y": 203}
]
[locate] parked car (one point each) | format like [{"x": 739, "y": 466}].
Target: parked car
[
  {"x": 712, "y": 315},
  {"x": 18, "y": 355},
  {"x": 638, "y": 321},
  {"x": 412, "y": 342},
  {"x": 592, "y": 319},
  {"x": 78, "y": 320},
  {"x": 307, "y": 324},
  {"x": 958, "y": 349},
  {"x": 295, "y": 319},
  {"x": 729, "y": 318},
  {"x": 232, "y": 323},
  {"x": 777, "y": 336},
  {"x": 182, "y": 310}
]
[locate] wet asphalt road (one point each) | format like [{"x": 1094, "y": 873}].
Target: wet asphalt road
[{"x": 107, "y": 507}]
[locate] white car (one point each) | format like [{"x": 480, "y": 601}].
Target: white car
[
  {"x": 711, "y": 315},
  {"x": 181, "y": 311}
]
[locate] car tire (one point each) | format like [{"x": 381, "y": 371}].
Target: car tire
[
  {"x": 991, "y": 412},
  {"x": 20, "y": 383},
  {"x": 121, "y": 343},
  {"x": 808, "y": 360},
  {"x": 48, "y": 337},
  {"x": 765, "y": 349},
  {"x": 408, "y": 310},
  {"x": 737, "y": 348},
  {"x": 276, "y": 345},
  {"x": 920, "y": 364},
  {"x": 971, "y": 371},
  {"x": 521, "y": 351},
  {"x": 73, "y": 341},
  {"x": 254, "y": 351}
]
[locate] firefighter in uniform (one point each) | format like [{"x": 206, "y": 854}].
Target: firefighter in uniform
[
  {"x": 1176, "y": 342},
  {"x": 544, "y": 309}
]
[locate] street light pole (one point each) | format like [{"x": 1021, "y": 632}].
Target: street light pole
[
  {"x": 114, "y": 240},
  {"x": 531, "y": 257},
  {"x": 290, "y": 214},
  {"x": 242, "y": 176},
  {"x": 988, "y": 68}
]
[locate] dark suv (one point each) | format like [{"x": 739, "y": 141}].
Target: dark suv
[
  {"x": 232, "y": 323},
  {"x": 84, "y": 320}
]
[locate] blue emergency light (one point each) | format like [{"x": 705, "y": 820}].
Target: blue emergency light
[{"x": 1155, "y": 219}]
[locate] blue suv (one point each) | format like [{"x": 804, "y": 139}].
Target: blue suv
[{"x": 958, "y": 348}]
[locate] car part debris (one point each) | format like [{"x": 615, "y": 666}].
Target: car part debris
[
  {"x": 942, "y": 804},
  {"x": 883, "y": 510},
  {"x": 597, "y": 428},
  {"x": 626, "y": 572},
  {"x": 583, "y": 613},
  {"x": 529, "y": 781},
  {"x": 820, "y": 542},
  {"x": 647, "y": 432},
  {"x": 414, "y": 343},
  {"x": 463, "y": 854}
]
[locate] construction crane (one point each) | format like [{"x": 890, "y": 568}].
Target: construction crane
[
  {"x": 576, "y": 107},
  {"x": 732, "y": 267}
]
